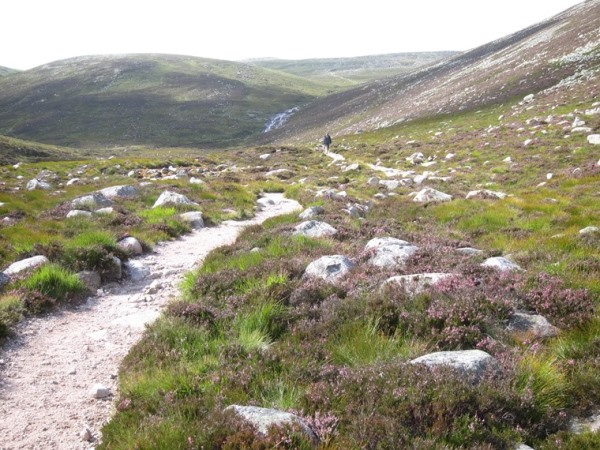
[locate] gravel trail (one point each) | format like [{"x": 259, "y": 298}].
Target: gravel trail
[{"x": 47, "y": 370}]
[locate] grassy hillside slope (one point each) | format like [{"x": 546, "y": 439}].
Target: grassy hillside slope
[
  {"x": 162, "y": 100},
  {"x": 6, "y": 71},
  {"x": 565, "y": 47},
  {"x": 340, "y": 73},
  {"x": 13, "y": 151}
]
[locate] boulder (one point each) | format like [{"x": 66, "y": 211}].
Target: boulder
[
  {"x": 389, "y": 252},
  {"x": 263, "y": 418},
  {"x": 416, "y": 158},
  {"x": 195, "y": 180},
  {"x": 94, "y": 200},
  {"x": 485, "y": 194},
  {"x": 314, "y": 229},
  {"x": 390, "y": 185},
  {"x": 472, "y": 363},
  {"x": 38, "y": 184},
  {"x": 114, "y": 272},
  {"x": 429, "y": 195},
  {"x": 593, "y": 139},
  {"x": 4, "y": 279},
  {"x": 283, "y": 174},
  {"x": 114, "y": 192},
  {"x": 26, "y": 265},
  {"x": 528, "y": 98},
  {"x": 73, "y": 181},
  {"x": 329, "y": 268},
  {"x": 589, "y": 230},
  {"x": 193, "y": 218},
  {"x": 416, "y": 284},
  {"x": 373, "y": 182},
  {"x": 265, "y": 202},
  {"x": 351, "y": 167},
  {"x": 532, "y": 324},
  {"x": 136, "y": 270},
  {"x": 90, "y": 279},
  {"x": 578, "y": 123},
  {"x": 168, "y": 198},
  {"x": 502, "y": 264},
  {"x": 131, "y": 245},
  {"x": 99, "y": 391},
  {"x": 79, "y": 213},
  {"x": 46, "y": 175},
  {"x": 469, "y": 251},
  {"x": 105, "y": 211},
  {"x": 265, "y": 156},
  {"x": 311, "y": 213}
]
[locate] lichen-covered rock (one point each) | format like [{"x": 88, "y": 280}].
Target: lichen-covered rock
[
  {"x": 389, "y": 252},
  {"x": 486, "y": 194},
  {"x": 131, "y": 245},
  {"x": 263, "y": 418},
  {"x": 429, "y": 195},
  {"x": 532, "y": 324},
  {"x": 168, "y": 198},
  {"x": 311, "y": 213},
  {"x": 472, "y": 363},
  {"x": 126, "y": 191},
  {"x": 329, "y": 268},
  {"x": 502, "y": 264},
  {"x": 314, "y": 229},
  {"x": 26, "y": 265},
  {"x": 193, "y": 218},
  {"x": 94, "y": 200}
]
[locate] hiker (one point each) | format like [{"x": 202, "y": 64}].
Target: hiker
[{"x": 326, "y": 142}]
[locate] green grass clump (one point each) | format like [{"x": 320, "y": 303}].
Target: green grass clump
[
  {"x": 11, "y": 311},
  {"x": 55, "y": 282}
]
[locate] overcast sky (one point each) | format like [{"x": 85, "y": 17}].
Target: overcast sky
[{"x": 35, "y": 32}]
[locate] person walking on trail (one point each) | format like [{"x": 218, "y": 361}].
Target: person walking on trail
[{"x": 326, "y": 142}]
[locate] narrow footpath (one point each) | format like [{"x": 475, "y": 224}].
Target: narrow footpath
[{"x": 47, "y": 370}]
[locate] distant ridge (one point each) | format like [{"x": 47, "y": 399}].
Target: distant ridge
[
  {"x": 562, "y": 48},
  {"x": 6, "y": 71}
]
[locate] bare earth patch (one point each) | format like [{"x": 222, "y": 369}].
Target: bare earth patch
[{"x": 46, "y": 372}]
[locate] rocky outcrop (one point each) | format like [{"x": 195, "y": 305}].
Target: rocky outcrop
[{"x": 329, "y": 268}]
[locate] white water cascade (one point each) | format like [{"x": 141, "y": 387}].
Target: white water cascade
[{"x": 279, "y": 119}]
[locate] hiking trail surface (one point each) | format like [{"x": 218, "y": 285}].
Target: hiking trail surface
[{"x": 49, "y": 367}]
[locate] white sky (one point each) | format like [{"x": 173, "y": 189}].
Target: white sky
[{"x": 34, "y": 32}]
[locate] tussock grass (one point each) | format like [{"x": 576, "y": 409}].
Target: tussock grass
[{"x": 55, "y": 282}]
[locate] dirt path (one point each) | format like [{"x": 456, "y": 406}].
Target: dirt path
[{"x": 46, "y": 372}]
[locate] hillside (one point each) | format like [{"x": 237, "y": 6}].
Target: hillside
[
  {"x": 562, "y": 49},
  {"x": 161, "y": 100},
  {"x": 6, "y": 71},
  {"x": 14, "y": 150},
  {"x": 341, "y": 73}
]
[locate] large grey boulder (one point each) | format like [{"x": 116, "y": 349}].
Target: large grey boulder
[
  {"x": 502, "y": 264},
  {"x": 131, "y": 245},
  {"x": 429, "y": 195},
  {"x": 329, "y": 268},
  {"x": 263, "y": 418},
  {"x": 472, "y": 363},
  {"x": 311, "y": 213},
  {"x": 193, "y": 219},
  {"x": 173, "y": 199},
  {"x": 389, "y": 252},
  {"x": 94, "y": 200},
  {"x": 417, "y": 283},
  {"x": 532, "y": 324},
  {"x": 390, "y": 185},
  {"x": 126, "y": 191},
  {"x": 314, "y": 229},
  {"x": 486, "y": 194},
  {"x": 136, "y": 270},
  {"x": 39, "y": 185},
  {"x": 26, "y": 265},
  {"x": 589, "y": 230}
]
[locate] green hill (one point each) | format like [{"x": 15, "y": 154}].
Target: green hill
[
  {"x": 14, "y": 150},
  {"x": 6, "y": 71},
  {"x": 163, "y": 100},
  {"x": 344, "y": 72}
]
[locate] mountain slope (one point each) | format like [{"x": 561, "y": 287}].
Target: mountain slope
[
  {"x": 146, "y": 99},
  {"x": 14, "y": 150},
  {"x": 344, "y": 72},
  {"x": 536, "y": 58},
  {"x": 6, "y": 71}
]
